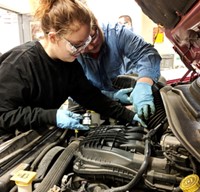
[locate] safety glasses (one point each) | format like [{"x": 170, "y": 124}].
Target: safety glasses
[{"x": 77, "y": 48}]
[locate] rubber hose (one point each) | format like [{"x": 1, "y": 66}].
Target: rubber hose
[
  {"x": 42, "y": 154},
  {"x": 57, "y": 171}
]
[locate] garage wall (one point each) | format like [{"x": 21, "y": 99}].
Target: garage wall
[
  {"x": 9, "y": 33},
  {"x": 110, "y": 10},
  {"x": 20, "y": 6},
  {"x": 105, "y": 10}
]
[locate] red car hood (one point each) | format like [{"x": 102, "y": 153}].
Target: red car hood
[{"x": 181, "y": 23}]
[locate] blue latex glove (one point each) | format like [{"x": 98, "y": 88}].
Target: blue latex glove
[
  {"x": 136, "y": 118},
  {"x": 69, "y": 120},
  {"x": 122, "y": 95},
  {"x": 142, "y": 100}
]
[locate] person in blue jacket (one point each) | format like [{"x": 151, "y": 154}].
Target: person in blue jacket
[
  {"x": 126, "y": 21},
  {"x": 103, "y": 62}
]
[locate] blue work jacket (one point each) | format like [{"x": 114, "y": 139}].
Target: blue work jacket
[{"x": 120, "y": 42}]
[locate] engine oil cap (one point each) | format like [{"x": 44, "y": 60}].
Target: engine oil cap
[{"x": 190, "y": 183}]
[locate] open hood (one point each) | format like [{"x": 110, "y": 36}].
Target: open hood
[{"x": 181, "y": 21}]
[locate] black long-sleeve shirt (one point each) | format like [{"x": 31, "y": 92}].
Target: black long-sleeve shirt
[{"x": 33, "y": 86}]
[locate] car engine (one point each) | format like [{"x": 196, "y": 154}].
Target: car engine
[{"x": 111, "y": 158}]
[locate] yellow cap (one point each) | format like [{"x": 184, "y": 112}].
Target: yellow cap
[
  {"x": 190, "y": 183},
  {"x": 23, "y": 178},
  {"x": 75, "y": 130}
]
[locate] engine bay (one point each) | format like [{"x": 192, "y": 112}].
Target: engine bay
[{"x": 113, "y": 157}]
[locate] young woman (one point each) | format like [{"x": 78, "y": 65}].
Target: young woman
[{"x": 38, "y": 76}]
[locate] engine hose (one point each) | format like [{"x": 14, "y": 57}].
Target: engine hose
[
  {"x": 47, "y": 160},
  {"x": 41, "y": 155},
  {"x": 193, "y": 164},
  {"x": 141, "y": 171},
  {"x": 176, "y": 165},
  {"x": 58, "y": 169}
]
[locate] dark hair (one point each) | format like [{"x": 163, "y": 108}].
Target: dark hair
[
  {"x": 126, "y": 17},
  {"x": 63, "y": 16}
]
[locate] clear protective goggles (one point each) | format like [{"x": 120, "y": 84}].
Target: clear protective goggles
[{"x": 77, "y": 48}]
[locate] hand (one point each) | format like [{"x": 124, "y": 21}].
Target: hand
[
  {"x": 122, "y": 95},
  {"x": 136, "y": 118},
  {"x": 142, "y": 100},
  {"x": 69, "y": 120}
]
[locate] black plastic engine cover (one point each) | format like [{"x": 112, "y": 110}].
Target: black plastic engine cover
[{"x": 111, "y": 150}]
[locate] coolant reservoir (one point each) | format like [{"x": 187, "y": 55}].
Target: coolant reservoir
[
  {"x": 190, "y": 183},
  {"x": 23, "y": 180}
]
